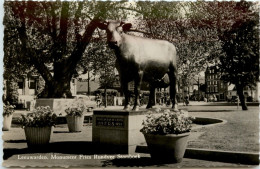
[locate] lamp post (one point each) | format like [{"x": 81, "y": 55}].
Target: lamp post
[
  {"x": 199, "y": 88},
  {"x": 88, "y": 84}
]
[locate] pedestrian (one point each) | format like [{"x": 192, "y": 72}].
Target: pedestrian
[
  {"x": 98, "y": 100},
  {"x": 186, "y": 100}
]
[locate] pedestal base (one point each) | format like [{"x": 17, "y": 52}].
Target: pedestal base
[
  {"x": 57, "y": 105},
  {"x": 118, "y": 131}
]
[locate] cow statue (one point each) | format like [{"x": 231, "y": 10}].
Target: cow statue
[{"x": 142, "y": 59}]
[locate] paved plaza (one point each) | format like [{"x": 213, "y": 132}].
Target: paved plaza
[{"x": 76, "y": 149}]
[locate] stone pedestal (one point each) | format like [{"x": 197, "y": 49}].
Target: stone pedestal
[
  {"x": 118, "y": 131},
  {"x": 57, "y": 105}
]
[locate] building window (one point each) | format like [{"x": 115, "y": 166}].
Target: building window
[
  {"x": 221, "y": 96},
  {"x": 32, "y": 84},
  {"x": 20, "y": 85},
  {"x": 216, "y": 89}
]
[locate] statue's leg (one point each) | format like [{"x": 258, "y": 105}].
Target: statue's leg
[
  {"x": 138, "y": 81},
  {"x": 151, "y": 102},
  {"x": 124, "y": 85},
  {"x": 173, "y": 89}
]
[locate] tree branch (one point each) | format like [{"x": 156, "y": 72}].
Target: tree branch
[
  {"x": 62, "y": 37},
  {"x": 78, "y": 51},
  {"x": 76, "y": 21},
  {"x": 43, "y": 70},
  {"x": 48, "y": 20}
]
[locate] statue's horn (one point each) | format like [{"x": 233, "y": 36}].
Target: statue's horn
[{"x": 122, "y": 23}]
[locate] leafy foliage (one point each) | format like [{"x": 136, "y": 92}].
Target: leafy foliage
[
  {"x": 197, "y": 45},
  {"x": 168, "y": 123},
  {"x": 237, "y": 28},
  {"x": 76, "y": 108},
  {"x": 102, "y": 62},
  {"x": 12, "y": 91},
  {"x": 51, "y": 37},
  {"x": 100, "y": 59},
  {"x": 40, "y": 117},
  {"x": 8, "y": 109},
  {"x": 40, "y": 85},
  {"x": 241, "y": 64}
]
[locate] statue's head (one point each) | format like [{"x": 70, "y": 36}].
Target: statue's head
[{"x": 115, "y": 30}]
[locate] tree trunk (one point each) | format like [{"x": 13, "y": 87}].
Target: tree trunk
[
  {"x": 105, "y": 92},
  {"x": 241, "y": 96},
  {"x": 58, "y": 88}
]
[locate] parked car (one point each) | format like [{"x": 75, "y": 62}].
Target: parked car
[
  {"x": 89, "y": 100},
  {"x": 210, "y": 99}
]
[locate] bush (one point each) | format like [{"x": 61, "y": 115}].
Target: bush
[
  {"x": 40, "y": 117},
  {"x": 169, "y": 122},
  {"x": 12, "y": 92},
  {"x": 77, "y": 108},
  {"x": 8, "y": 109}
]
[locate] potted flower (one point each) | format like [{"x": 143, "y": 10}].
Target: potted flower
[
  {"x": 75, "y": 117},
  {"x": 167, "y": 134},
  {"x": 38, "y": 125},
  {"x": 8, "y": 115}
]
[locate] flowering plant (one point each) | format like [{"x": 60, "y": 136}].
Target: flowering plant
[
  {"x": 76, "y": 109},
  {"x": 8, "y": 109},
  {"x": 169, "y": 122},
  {"x": 40, "y": 117}
]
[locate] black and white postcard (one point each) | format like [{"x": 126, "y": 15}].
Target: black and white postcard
[{"x": 158, "y": 84}]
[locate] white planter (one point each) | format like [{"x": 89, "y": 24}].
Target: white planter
[
  {"x": 37, "y": 135},
  {"x": 7, "y": 122},
  {"x": 75, "y": 123}
]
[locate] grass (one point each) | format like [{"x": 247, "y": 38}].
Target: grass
[{"x": 240, "y": 133}]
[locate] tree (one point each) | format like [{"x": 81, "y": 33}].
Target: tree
[
  {"x": 51, "y": 37},
  {"x": 101, "y": 61},
  {"x": 237, "y": 26},
  {"x": 197, "y": 45},
  {"x": 240, "y": 63}
]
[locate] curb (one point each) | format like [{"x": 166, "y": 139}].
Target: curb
[
  {"x": 223, "y": 156},
  {"x": 207, "y": 122},
  {"x": 215, "y": 155}
]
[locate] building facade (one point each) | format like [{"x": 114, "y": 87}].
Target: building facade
[
  {"x": 251, "y": 93},
  {"x": 216, "y": 89},
  {"x": 28, "y": 86}
]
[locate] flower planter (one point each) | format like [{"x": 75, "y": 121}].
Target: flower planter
[
  {"x": 37, "y": 136},
  {"x": 167, "y": 148},
  {"x": 75, "y": 123},
  {"x": 7, "y": 122}
]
